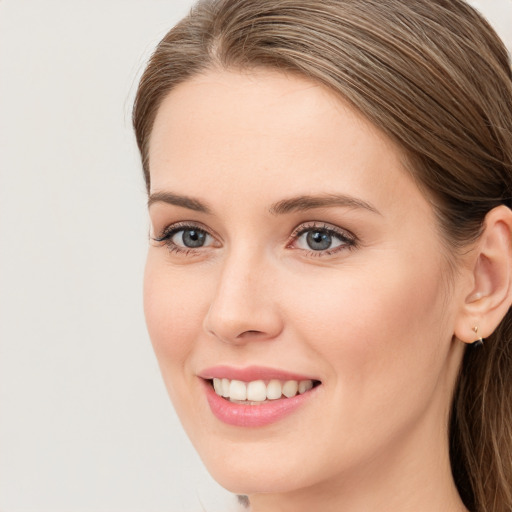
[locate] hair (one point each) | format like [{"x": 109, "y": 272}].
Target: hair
[{"x": 436, "y": 79}]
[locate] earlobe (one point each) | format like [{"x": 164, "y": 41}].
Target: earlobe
[
  {"x": 491, "y": 267},
  {"x": 479, "y": 341}
]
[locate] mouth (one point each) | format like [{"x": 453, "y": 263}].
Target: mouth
[
  {"x": 259, "y": 392},
  {"x": 256, "y": 396}
]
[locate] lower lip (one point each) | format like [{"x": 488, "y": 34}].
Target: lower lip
[{"x": 253, "y": 415}]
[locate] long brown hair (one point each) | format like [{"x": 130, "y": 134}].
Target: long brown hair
[{"x": 432, "y": 75}]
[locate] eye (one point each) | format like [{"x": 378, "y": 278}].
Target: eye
[
  {"x": 184, "y": 238},
  {"x": 191, "y": 238},
  {"x": 322, "y": 239}
]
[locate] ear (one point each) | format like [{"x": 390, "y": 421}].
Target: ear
[{"x": 490, "y": 275}]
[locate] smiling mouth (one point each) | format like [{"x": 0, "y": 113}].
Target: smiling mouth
[{"x": 258, "y": 392}]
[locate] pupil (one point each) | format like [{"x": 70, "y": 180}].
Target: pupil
[
  {"x": 319, "y": 240},
  {"x": 193, "y": 238}
]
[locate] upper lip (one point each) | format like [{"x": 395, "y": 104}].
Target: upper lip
[{"x": 251, "y": 373}]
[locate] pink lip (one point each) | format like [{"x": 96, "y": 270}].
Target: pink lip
[
  {"x": 252, "y": 415},
  {"x": 250, "y": 373}
]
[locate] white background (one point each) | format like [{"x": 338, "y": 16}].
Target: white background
[{"x": 85, "y": 423}]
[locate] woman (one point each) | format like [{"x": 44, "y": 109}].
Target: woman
[{"x": 329, "y": 190}]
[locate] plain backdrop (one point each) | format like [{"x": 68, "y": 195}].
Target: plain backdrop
[{"x": 85, "y": 423}]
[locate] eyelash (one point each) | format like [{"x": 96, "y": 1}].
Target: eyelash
[
  {"x": 168, "y": 233},
  {"x": 347, "y": 239}
]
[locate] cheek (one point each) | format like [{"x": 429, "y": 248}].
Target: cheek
[
  {"x": 375, "y": 329},
  {"x": 366, "y": 306},
  {"x": 173, "y": 311}
]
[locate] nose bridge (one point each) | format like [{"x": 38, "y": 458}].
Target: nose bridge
[{"x": 242, "y": 307}]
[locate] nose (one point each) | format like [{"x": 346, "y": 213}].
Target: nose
[{"x": 244, "y": 306}]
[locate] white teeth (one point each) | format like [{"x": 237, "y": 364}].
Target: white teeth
[
  {"x": 291, "y": 387},
  {"x": 257, "y": 391},
  {"x": 225, "y": 388},
  {"x": 305, "y": 385},
  {"x": 217, "y": 385},
  {"x": 274, "y": 390},
  {"x": 237, "y": 390}
]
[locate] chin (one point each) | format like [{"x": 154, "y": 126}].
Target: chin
[
  {"x": 257, "y": 480},
  {"x": 269, "y": 466}
]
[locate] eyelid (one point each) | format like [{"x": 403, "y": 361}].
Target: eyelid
[
  {"x": 349, "y": 239},
  {"x": 171, "y": 229},
  {"x": 166, "y": 235},
  {"x": 325, "y": 226}
]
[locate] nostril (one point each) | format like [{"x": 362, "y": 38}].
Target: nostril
[{"x": 248, "y": 334}]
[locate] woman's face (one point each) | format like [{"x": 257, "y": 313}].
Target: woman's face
[{"x": 291, "y": 248}]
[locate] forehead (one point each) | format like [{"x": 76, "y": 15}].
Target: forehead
[
  {"x": 256, "y": 102},
  {"x": 266, "y": 128}
]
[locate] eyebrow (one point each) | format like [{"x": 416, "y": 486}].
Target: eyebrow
[
  {"x": 178, "y": 200},
  {"x": 294, "y": 204},
  {"x": 307, "y": 202}
]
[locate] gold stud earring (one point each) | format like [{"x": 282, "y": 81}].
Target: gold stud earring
[{"x": 478, "y": 342}]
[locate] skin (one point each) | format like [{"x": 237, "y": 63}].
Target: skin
[{"x": 374, "y": 320}]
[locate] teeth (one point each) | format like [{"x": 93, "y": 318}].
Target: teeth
[
  {"x": 258, "y": 390},
  {"x": 225, "y": 388},
  {"x": 217, "y": 386},
  {"x": 237, "y": 390},
  {"x": 305, "y": 385},
  {"x": 274, "y": 390},
  {"x": 291, "y": 387}
]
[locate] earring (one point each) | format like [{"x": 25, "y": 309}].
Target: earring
[{"x": 479, "y": 342}]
